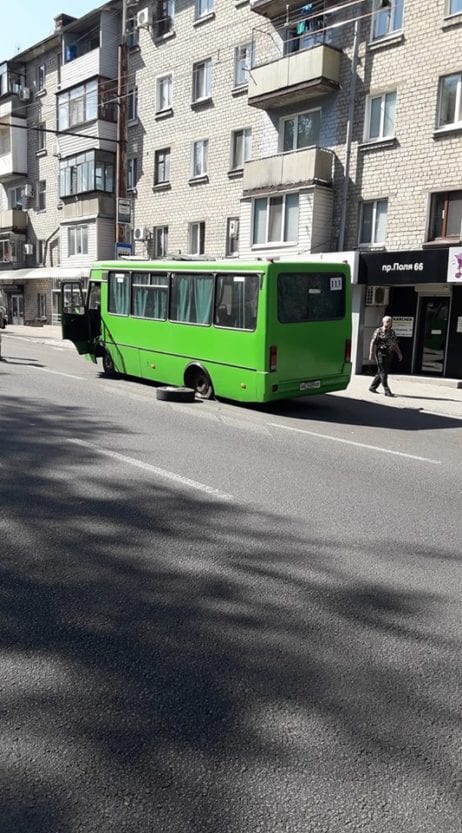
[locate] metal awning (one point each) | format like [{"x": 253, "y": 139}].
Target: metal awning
[{"x": 15, "y": 276}]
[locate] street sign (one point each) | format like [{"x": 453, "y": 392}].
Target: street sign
[
  {"x": 123, "y": 250},
  {"x": 124, "y": 211}
]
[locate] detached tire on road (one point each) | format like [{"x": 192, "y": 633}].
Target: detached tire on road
[{"x": 172, "y": 394}]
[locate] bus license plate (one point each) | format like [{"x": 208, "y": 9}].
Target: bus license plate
[{"x": 310, "y": 385}]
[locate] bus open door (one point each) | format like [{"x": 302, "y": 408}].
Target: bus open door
[{"x": 81, "y": 321}]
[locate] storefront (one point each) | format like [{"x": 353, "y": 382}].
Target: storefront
[
  {"x": 422, "y": 290},
  {"x": 32, "y": 296}
]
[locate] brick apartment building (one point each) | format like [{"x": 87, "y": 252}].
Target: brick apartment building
[{"x": 255, "y": 129}]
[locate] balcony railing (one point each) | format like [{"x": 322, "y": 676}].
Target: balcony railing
[
  {"x": 301, "y": 167},
  {"x": 13, "y": 219},
  {"x": 296, "y": 77}
]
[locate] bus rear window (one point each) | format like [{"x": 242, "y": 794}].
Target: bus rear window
[{"x": 310, "y": 296}]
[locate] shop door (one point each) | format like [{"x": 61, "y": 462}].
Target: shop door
[
  {"x": 434, "y": 316},
  {"x": 17, "y": 309}
]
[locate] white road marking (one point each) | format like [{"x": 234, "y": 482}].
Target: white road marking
[
  {"x": 359, "y": 445},
  {"x": 167, "y": 475},
  {"x": 57, "y": 372}
]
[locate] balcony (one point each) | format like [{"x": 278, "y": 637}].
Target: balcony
[
  {"x": 301, "y": 167},
  {"x": 295, "y": 78},
  {"x": 89, "y": 51},
  {"x": 13, "y": 220},
  {"x": 272, "y": 8},
  {"x": 13, "y": 144}
]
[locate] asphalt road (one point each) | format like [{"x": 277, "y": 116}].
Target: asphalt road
[{"x": 220, "y": 618}]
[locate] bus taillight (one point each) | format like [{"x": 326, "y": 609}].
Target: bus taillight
[
  {"x": 348, "y": 350},
  {"x": 273, "y": 358}
]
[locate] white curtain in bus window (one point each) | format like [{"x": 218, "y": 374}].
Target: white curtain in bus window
[
  {"x": 191, "y": 298},
  {"x": 118, "y": 301},
  {"x": 305, "y": 296},
  {"x": 236, "y": 301},
  {"x": 150, "y": 295}
]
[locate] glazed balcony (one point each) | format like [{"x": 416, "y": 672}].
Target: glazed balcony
[
  {"x": 13, "y": 220},
  {"x": 295, "y": 78},
  {"x": 301, "y": 167}
]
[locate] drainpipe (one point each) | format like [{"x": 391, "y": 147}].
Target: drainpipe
[{"x": 348, "y": 139}]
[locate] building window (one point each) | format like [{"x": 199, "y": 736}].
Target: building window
[
  {"x": 8, "y": 251},
  {"x": 78, "y": 105},
  {"x": 301, "y": 131},
  {"x": 380, "y": 116},
  {"x": 40, "y": 252},
  {"x": 160, "y": 241},
  {"x": 5, "y": 144},
  {"x": 90, "y": 171},
  {"x": 446, "y": 216},
  {"x": 232, "y": 236},
  {"x": 41, "y": 195},
  {"x": 41, "y": 137},
  {"x": 373, "y": 226},
  {"x": 133, "y": 104},
  {"x": 165, "y": 16},
  {"x": 202, "y": 80},
  {"x": 203, "y": 8},
  {"x": 455, "y": 6},
  {"x": 164, "y": 90},
  {"x": 132, "y": 173},
  {"x": 196, "y": 238},
  {"x": 275, "y": 219},
  {"x": 162, "y": 166},
  {"x": 16, "y": 197},
  {"x": 77, "y": 240},
  {"x": 450, "y": 97},
  {"x": 241, "y": 147},
  {"x": 132, "y": 33},
  {"x": 199, "y": 158},
  {"x": 41, "y": 77},
  {"x": 41, "y": 305},
  {"x": 243, "y": 62},
  {"x": 387, "y": 18}
]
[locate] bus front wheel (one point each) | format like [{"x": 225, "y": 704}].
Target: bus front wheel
[
  {"x": 108, "y": 366},
  {"x": 198, "y": 379}
]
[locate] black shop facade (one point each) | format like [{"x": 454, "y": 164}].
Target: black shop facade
[{"x": 422, "y": 291}]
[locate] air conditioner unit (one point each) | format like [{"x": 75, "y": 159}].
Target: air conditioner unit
[
  {"x": 144, "y": 18},
  {"x": 233, "y": 228},
  {"x": 28, "y": 249},
  {"x": 55, "y": 150},
  {"x": 28, "y": 190},
  {"x": 377, "y": 296},
  {"x": 141, "y": 233},
  {"x": 24, "y": 94}
]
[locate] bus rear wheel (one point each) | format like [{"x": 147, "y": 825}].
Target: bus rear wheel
[
  {"x": 108, "y": 366},
  {"x": 198, "y": 379}
]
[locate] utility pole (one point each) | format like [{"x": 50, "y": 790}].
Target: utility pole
[{"x": 122, "y": 124}]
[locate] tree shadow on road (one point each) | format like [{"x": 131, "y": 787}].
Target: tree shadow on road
[{"x": 172, "y": 663}]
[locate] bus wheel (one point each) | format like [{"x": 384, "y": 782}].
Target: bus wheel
[
  {"x": 172, "y": 394},
  {"x": 108, "y": 366},
  {"x": 199, "y": 379}
]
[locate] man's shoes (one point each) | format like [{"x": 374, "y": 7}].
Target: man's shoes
[
  {"x": 389, "y": 393},
  {"x": 373, "y": 390}
]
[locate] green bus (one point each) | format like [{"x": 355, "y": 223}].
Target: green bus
[{"x": 246, "y": 331}]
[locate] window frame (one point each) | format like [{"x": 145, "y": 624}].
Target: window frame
[
  {"x": 41, "y": 195},
  {"x": 132, "y": 173},
  {"x": 162, "y": 163},
  {"x": 238, "y": 161},
  {"x": 452, "y": 11},
  {"x": 41, "y": 78},
  {"x": 203, "y": 146},
  {"x": 41, "y": 136},
  {"x": 374, "y": 224},
  {"x": 268, "y": 219},
  {"x": 392, "y": 29},
  {"x": 457, "y": 123},
  {"x": 383, "y": 105},
  {"x": 200, "y": 226},
  {"x": 132, "y": 105},
  {"x": 241, "y": 71},
  {"x": 202, "y": 69},
  {"x": 209, "y": 10},
  {"x": 160, "y": 241},
  {"x": 73, "y": 233},
  {"x": 83, "y": 167},
  {"x": 295, "y": 117},
  {"x": 160, "y": 80},
  {"x": 69, "y": 102},
  {"x": 443, "y": 196}
]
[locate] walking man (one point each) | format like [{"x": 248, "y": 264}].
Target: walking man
[{"x": 383, "y": 344}]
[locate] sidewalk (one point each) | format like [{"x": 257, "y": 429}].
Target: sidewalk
[{"x": 420, "y": 393}]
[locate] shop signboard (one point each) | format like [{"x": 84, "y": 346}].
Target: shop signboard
[
  {"x": 406, "y": 267},
  {"x": 403, "y": 326},
  {"x": 455, "y": 264}
]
